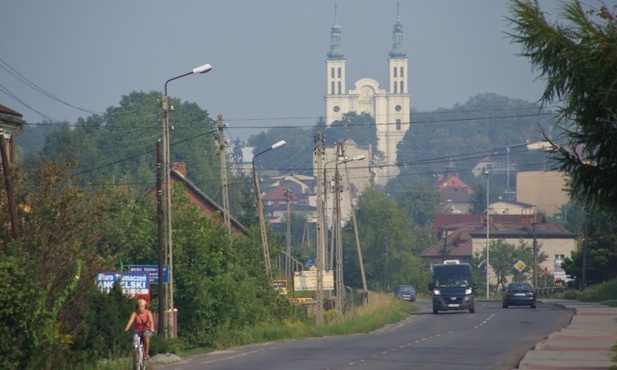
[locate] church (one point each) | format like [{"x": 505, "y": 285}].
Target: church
[{"x": 389, "y": 107}]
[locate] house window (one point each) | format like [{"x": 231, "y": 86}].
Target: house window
[
  {"x": 559, "y": 259},
  {"x": 398, "y": 125}
]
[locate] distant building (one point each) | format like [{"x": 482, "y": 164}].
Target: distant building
[
  {"x": 455, "y": 193},
  {"x": 390, "y": 107},
  {"x": 544, "y": 189},
  {"x": 462, "y": 236},
  {"x": 12, "y": 125}
]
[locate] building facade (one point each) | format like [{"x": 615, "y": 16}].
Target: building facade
[{"x": 389, "y": 107}]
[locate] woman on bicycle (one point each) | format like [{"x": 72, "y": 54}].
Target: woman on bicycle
[{"x": 144, "y": 324}]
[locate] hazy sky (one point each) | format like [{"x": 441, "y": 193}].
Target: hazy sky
[{"x": 268, "y": 56}]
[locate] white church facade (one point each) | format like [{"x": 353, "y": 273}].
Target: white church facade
[{"x": 389, "y": 107}]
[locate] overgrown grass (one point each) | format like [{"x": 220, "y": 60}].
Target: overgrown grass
[
  {"x": 606, "y": 291},
  {"x": 382, "y": 309}
]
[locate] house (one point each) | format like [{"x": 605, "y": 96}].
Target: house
[
  {"x": 208, "y": 206},
  {"x": 512, "y": 207},
  {"x": 12, "y": 125},
  {"x": 462, "y": 240},
  {"x": 455, "y": 193},
  {"x": 275, "y": 205}
]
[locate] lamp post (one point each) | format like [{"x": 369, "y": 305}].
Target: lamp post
[
  {"x": 325, "y": 208},
  {"x": 167, "y": 203},
  {"x": 260, "y": 211},
  {"x": 340, "y": 286},
  {"x": 487, "y": 234}
]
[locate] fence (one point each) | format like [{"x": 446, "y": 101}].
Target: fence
[{"x": 550, "y": 290}]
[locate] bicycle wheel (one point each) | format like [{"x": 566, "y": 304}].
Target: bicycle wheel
[{"x": 138, "y": 358}]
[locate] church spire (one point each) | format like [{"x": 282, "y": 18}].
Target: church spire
[
  {"x": 397, "y": 37},
  {"x": 335, "y": 39}
]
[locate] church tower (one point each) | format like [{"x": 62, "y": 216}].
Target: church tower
[
  {"x": 390, "y": 108},
  {"x": 336, "y": 93}
]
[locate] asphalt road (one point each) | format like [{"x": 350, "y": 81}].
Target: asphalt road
[{"x": 492, "y": 338}]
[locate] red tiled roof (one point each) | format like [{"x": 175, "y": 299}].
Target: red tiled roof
[{"x": 448, "y": 219}]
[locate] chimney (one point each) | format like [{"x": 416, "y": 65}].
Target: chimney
[{"x": 180, "y": 167}]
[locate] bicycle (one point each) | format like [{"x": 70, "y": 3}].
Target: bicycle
[{"x": 139, "y": 353}]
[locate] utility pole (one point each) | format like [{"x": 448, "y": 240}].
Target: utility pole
[
  {"x": 167, "y": 166},
  {"x": 445, "y": 245},
  {"x": 161, "y": 238},
  {"x": 584, "y": 267},
  {"x": 355, "y": 228},
  {"x": 287, "y": 260},
  {"x": 223, "y": 157},
  {"x": 340, "y": 287},
  {"x": 319, "y": 254},
  {"x": 385, "y": 265},
  {"x": 535, "y": 256}
]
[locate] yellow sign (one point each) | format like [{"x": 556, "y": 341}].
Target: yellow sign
[
  {"x": 307, "y": 280},
  {"x": 519, "y": 266}
]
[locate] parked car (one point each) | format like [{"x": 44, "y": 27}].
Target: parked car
[
  {"x": 519, "y": 294},
  {"x": 405, "y": 292}
]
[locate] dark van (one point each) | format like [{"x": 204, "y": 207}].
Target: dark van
[{"x": 452, "y": 287}]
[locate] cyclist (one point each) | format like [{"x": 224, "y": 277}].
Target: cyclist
[{"x": 144, "y": 324}]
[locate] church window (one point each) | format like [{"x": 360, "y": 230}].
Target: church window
[
  {"x": 402, "y": 87},
  {"x": 402, "y": 74},
  {"x": 339, "y": 72},
  {"x": 398, "y": 125},
  {"x": 398, "y": 108},
  {"x": 395, "y": 87},
  {"x": 339, "y": 87},
  {"x": 332, "y": 72},
  {"x": 332, "y": 87},
  {"x": 394, "y": 70}
]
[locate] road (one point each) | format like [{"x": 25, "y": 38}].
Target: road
[{"x": 492, "y": 338}]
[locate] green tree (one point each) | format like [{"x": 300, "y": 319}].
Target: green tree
[
  {"x": 61, "y": 248},
  {"x": 360, "y": 128},
  {"x": 421, "y": 202},
  {"x": 577, "y": 59},
  {"x": 295, "y": 157},
  {"x": 600, "y": 238},
  {"x": 387, "y": 238}
]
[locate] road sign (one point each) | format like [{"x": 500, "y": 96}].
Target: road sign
[
  {"x": 153, "y": 271},
  {"x": 519, "y": 266},
  {"x": 133, "y": 283},
  {"x": 307, "y": 280}
]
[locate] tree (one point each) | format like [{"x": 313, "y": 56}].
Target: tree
[
  {"x": 51, "y": 266},
  {"x": 578, "y": 61},
  {"x": 388, "y": 243},
  {"x": 295, "y": 157},
  {"x": 422, "y": 203},
  {"x": 360, "y": 128}
]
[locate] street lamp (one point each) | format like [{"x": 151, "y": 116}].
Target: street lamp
[
  {"x": 340, "y": 287},
  {"x": 326, "y": 225},
  {"x": 260, "y": 212},
  {"x": 167, "y": 209},
  {"x": 487, "y": 234}
]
